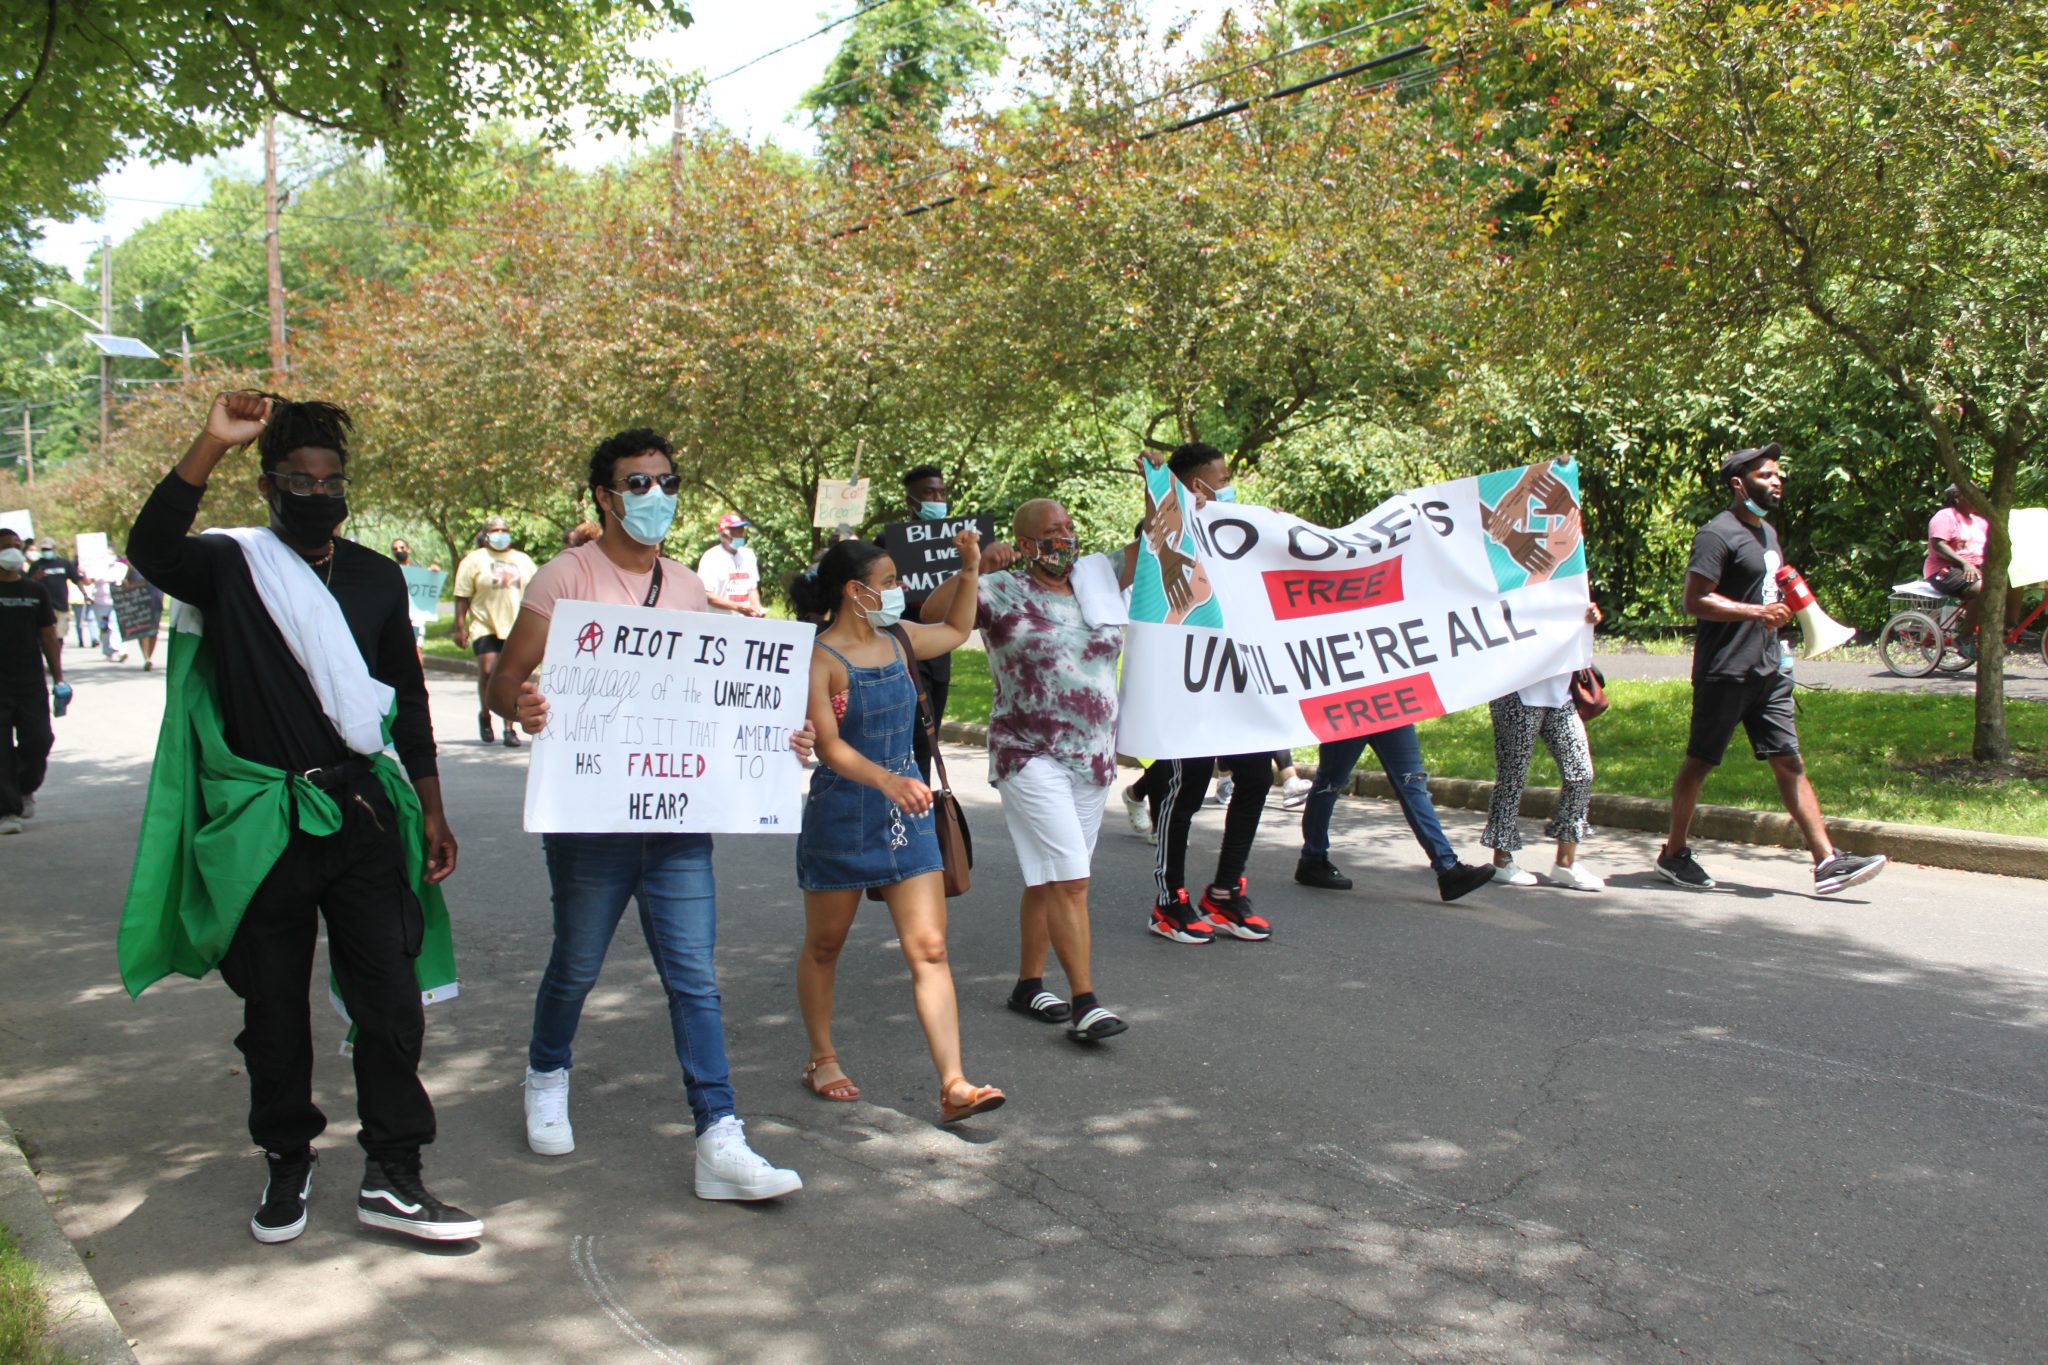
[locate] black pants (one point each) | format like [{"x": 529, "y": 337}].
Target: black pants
[
  {"x": 1176, "y": 786},
  {"x": 25, "y": 740},
  {"x": 356, "y": 878},
  {"x": 937, "y": 682}
]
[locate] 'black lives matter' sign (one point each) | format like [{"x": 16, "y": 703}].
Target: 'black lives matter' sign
[{"x": 924, "y": 552}]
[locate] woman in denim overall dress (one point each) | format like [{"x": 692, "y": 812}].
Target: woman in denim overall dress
[{"x": 868, "y": 820}]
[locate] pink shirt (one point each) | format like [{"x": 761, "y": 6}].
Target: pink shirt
[
  {"x": 587, "y": 574},
  {"x": 1966, "y": 534}
]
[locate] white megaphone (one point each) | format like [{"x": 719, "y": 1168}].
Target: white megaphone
[{"x": 1819, "y": 631}]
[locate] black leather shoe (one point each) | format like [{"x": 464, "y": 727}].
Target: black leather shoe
[
  {"x": 1322, "y": 874},
  {"x": 1462, "y": 880}
]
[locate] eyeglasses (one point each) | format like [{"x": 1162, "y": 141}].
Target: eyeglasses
[
  {"x": 640, "y": 483},
  {"x": 305, "y": 485}
]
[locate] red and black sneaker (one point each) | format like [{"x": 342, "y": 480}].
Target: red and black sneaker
[
  {"x": 1178, "y": 923},
  {"x": 1230, "y": 912}
]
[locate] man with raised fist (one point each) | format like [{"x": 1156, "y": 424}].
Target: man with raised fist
[{"x": 276, "y": 800}]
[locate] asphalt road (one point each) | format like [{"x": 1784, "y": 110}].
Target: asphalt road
[{"x": 1536, "y": 1125}]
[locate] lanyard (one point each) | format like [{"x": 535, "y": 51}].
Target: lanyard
[{"x": 654, "y": 587}]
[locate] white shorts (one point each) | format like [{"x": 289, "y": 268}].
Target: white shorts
[{"x": 1053, "y": 813}]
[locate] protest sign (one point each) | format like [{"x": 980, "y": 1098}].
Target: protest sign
[
  {"x": 667, "y": 722},
  {"x": 841, "y": 502},
  {"x": 924, "y": 552},
  {"x": 21, "y": 523},
  {"x": 95, "y": 558},
  {"x": 1252, "y": 629},
  {"x": 138, "y": 610},
  {"x": 423, "y": 587}
]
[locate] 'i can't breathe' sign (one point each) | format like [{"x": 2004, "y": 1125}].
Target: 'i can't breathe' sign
[{"x": 668, "y": 722}]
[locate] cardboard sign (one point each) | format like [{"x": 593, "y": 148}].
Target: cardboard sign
[
  {"x": 668, "y": 722},
  {"x": 138, "y": 611},
  {"x": 841, "y": 502},
  {"x": 423, "y": 586},
  {"x": 924, "y": 552},
  {"x": 95, "y": 556}
]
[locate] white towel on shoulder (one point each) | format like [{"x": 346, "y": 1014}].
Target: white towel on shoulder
[{"x": 1095, "y": 588}]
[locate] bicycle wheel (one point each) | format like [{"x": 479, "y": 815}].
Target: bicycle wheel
[
  {"x": 1910, "y": 644},
  {"x": 1953, "y": 660}
]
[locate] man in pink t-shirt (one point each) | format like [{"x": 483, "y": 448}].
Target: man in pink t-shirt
[
  {"x": 1955, "y": 555},
  {"x": 633, "y": 484}
]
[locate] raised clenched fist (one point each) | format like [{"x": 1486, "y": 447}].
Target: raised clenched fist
[{"x": 237, "y": 417}]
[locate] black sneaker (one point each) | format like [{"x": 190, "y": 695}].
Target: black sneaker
[
  {"x": 282, "y": 1215},
  {"x": 1462, "y": 880},
  {"x": 1228, "y": 913},
  {"x": 1841, "y": 871},
  {"x": 484, "y": 731},
  {"x": 1322, "y": 874},
  {"x": 1178, "y": 923},
  {"x": 511, "y": 735},
  {"x": 392, "y": 1197},
  {"x": 1682, "y": 869}
]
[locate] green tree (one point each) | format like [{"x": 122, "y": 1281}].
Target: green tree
[
  {"x": 898, "y": 70},
  {"x": 1826, "y": 184},
  {"x": 94, "y": 81}
]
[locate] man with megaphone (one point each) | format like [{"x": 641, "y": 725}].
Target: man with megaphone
[{"x": 1741, "y": 675}]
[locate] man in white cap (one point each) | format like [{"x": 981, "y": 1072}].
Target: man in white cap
[{"x": 731, "y": 574}]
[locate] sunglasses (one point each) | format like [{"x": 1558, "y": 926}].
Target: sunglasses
[{"x": 640, "y": 483}]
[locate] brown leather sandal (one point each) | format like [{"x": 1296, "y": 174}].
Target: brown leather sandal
[
  {"x": 980, "y": 1100},
  {"x": 843, "y": 1090}
]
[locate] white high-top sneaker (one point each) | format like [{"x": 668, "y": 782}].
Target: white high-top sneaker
[
  {"x": 547, "y": 1112},
  {"x": 729, "y": 1169}
]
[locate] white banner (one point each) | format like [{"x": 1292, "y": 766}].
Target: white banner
[
  {"x": 662, "y": 721},
  {"x": 95, "y": 557},
  {"x": 1252, "y": 629}
]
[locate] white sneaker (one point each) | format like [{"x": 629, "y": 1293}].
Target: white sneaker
[
  {"x": 28, "y": 808},
  {"x": 10, "y": 824},
  {"x": 1575, "y": 877},
  {"x": 1514, "y": 875},
  {"x": 729, "y": 1169},
  {"x": 547, "y": 1112},
  {"x": 1139, "y": 814},
  {"x": 1294, "y": 793}
]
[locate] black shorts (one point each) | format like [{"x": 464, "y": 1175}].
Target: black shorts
[
  {"x": 1762, "y": 706},
  {"x": 486, "y": 644},
  {"x": 1951, "y": 582}
]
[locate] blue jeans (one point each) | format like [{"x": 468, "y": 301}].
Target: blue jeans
[
  {"x": 593, "y": 876},
  {"x": 1400, "y": 754}
]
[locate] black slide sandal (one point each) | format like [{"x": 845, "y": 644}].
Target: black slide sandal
[
  {"x": 1045, "y": 1007},
  {"x": 1096, "y": 1025}
]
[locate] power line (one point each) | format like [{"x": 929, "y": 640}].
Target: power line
[{"x": 868, "y": 8}]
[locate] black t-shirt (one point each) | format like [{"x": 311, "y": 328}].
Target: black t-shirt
[
  {"x": 24, "y": 613},
  {"x": 1742, "y": 564},
  {"x": 268, "y": 707}
]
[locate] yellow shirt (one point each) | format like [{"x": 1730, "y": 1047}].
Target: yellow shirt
[{"x": 495, "y": 582}]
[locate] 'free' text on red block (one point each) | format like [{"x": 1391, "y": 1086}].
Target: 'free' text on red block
[
  {"x": 1318, "y": 592},
  {"x": 1370, "y": 709}
]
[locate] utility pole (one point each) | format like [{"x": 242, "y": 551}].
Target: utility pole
[
  {"x": 106, "y": 327},
  {"x": 273, "y": 258},
  {"x": 675, "y": 167},
  {"x": 28, "y": 448}
]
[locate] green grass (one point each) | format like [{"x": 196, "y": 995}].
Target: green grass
[
  {"x": 24, "y": 1313},
  {"x": 1862, "y": 749}
]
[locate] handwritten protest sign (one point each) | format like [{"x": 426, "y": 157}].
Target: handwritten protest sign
[
  {"x": 1252, "y": 629},
  {"x": 423, "y": 587},
  {"x": 924, "y": 552},
  {"x": 138, "y": 610},
  {"x": 668, "y": 722},
  {"x": 841, "y": 502}
]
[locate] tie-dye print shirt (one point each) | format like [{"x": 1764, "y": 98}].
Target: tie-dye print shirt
[{"x": 1055, "y": 680}]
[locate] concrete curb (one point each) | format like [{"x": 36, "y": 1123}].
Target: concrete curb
[
  {"x": 81, "y": 1324},
  {"x": 1960, "y": 850}
]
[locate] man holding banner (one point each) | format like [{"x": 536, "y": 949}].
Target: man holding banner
[
  {"x": 1253, "y": 627},
  {"x": 632, "y": 481}
]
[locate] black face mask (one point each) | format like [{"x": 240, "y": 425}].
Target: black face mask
[{"x": 308, "y": 520}]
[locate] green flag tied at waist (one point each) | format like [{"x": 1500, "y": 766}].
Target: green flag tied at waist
[{"x": 214, "y": 823}]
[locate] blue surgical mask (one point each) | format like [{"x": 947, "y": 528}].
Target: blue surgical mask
[
  {"x": 1227, "y": 493},
  {"x": 498, "y": 540},
  {"x": 1754, "y": 510},
  {"x": 932, "y": 511},
  {"x": 739, "y": 542},
  {"x": 891, "y": 610},
  {"x": 648, "y": 515}
]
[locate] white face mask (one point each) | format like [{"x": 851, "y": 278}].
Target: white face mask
[
  {"x": 890, "y": 612},
  {"x": 14, "y": 561}
]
